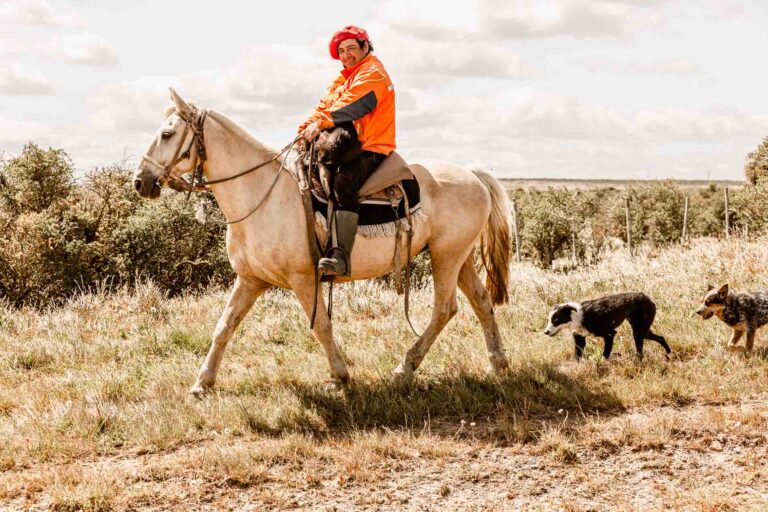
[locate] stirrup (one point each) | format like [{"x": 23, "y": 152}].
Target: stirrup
[{"x": 330, "y": 265}]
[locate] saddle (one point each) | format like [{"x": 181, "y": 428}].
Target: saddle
[
  {"x": 392, "y": 188},
  {"x": 390, "y": 194},
  {"x": 387, "y": 176}
]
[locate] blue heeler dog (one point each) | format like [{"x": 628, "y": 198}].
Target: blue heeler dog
[
  {"x": 600, "y": 317},
  {"x": 744, "y": 312}
]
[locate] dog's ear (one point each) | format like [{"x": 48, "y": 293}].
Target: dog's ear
[
  {"x": 723, "y": 291},
  {"x": 710, "y": 287}
]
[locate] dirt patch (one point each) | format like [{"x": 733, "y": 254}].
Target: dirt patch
[{"x": 702, "y": 457}]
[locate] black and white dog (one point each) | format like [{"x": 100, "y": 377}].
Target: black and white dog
[{"x": 600, "y": 317}]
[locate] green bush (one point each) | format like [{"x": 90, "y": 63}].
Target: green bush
[
  {"x": 756, "y": 166},
  {"x": 656, "y": 212},
  {"x": 706, "y": 215},
  {"x": 60, "y": 237},
  {"x": 751, "y": 207},
  {"x": 545, "y": 224},
  {"x": 547, "y": 219}
]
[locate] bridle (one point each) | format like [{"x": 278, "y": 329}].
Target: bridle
[
  {"x": 198, "y": 141},
  {"x": 179, "y": 184}
]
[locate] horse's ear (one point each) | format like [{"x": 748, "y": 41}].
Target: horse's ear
[{"x": 181, "y": 106}]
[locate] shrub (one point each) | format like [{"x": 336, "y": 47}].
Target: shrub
[
  {"x": 656, "y": 214},
  {"x": 751, "y": 205},
  {"x": 35, "y": 180},
  {"x": 60, "y": 237},
  {"x": 545, "y": 224},
  {"x": 756, "y": 166}
]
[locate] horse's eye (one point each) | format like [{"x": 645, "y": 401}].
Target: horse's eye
[{"x": 166, "y": 135}]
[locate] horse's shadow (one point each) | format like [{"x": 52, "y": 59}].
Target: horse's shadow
[{"x": 534, "y": 391}]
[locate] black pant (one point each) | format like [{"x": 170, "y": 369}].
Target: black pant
[
  {"x": 339, "y": 150},
  {"x": 350, "y": 175}
]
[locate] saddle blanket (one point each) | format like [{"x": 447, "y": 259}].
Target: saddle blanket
[{"x": 375, "y": 212}]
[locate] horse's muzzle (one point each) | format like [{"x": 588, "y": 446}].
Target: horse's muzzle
[{"x": 146, "y": 188}]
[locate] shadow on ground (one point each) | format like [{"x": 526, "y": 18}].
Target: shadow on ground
[{"x": 526, "y": 393}]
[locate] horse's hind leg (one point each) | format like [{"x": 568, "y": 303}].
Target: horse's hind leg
[
  {"x": 304, "y": 288},
  {"x": 445, "y": 275},
  {"x": 480, "y": 300},
  {"x": 241, "y": 298}
]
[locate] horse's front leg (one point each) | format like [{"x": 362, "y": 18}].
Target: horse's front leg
[
  {"x": 241, "y": 298},
  {"x": 304, "y": 288}
]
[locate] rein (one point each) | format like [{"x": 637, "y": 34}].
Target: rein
[{"x": 182, "y": 185}]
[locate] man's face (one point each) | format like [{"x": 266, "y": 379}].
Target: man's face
[{"x": 350, "y": 53}]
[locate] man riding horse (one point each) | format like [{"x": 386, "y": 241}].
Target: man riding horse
[{"x": 359, "y": 107}]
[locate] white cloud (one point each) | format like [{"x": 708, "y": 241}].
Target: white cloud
[
  {"x": 536, "y": 115},
  {"x": 497, "y": 20},
  {"x": 491, "y": 82},
  {"x": 671, "y": 67},
  {"x": 270, "y": 83},
  {"x": 34, "y": 12},
  {"x": 536, "y": 134},
  {"x": 430, "y": 63},
  {"x": 88, "y": 49},
  {"x": 18, "y": 80},
  {"x": 265, "y": 88},
  {"x": 677, "y": 125},
  {"x": 131, "y": 107},
  {"x": 547, "y": 18},
  {"x": 15, "y": 133},
  {"x": 10, "y": 47},
  {"x": 430, "y": 19}
]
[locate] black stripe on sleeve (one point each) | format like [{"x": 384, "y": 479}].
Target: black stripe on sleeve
[{"x": 356, "y": 109}]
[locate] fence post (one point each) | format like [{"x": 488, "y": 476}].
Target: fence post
[
  {"x": 685, "y": 222},
  {"x": 517, "y": 230},
  {"x": 727, "y": 217},
  {"x": 573, "y": 247},
  {"x": 629, "y": 225}
]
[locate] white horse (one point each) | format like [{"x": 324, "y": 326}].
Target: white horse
[{"x": 270, "y": 247}]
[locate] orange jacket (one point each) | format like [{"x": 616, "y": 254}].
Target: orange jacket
[{"x": 364, "y": 95}]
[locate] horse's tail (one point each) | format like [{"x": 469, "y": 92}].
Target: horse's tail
[{"x": 495, "y": 240}]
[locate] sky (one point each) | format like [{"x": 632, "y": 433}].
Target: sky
[{"x": 609, "y": 89}]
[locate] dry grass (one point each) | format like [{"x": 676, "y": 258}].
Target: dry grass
[{"x": 104, "y": 380}]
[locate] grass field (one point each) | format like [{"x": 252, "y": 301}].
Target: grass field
[
  {"x": 94, "y": 411},
  {"x": 590, "y": 184}
]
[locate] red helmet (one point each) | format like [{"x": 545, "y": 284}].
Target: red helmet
[{"x": 348, "y": 32}]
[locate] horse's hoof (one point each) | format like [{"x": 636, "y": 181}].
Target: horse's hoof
[
  {"x": 199, "y": 391},
  {"x": 403, "y": 373},
  {"x": 335, "y": 385},
  {"x": 735, "y": 348},
  {"x": 500, "y": 367}
]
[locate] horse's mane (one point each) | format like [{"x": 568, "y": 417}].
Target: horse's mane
[
  {"x": 231, "y": 126},
  {"x": 241, "y": 132}
]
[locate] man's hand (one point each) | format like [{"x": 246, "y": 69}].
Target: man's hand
[{"x": 311, "y": 132}]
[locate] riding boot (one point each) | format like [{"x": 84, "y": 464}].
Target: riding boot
[{"x": 338, "y": 260}]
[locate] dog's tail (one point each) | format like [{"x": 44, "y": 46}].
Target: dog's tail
[{"x": 495, "y": 240}]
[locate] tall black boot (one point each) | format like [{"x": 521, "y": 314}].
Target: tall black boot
[{"x": 343, "y": 229}]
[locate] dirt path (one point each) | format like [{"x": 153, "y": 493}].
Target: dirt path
[{"x": 698, "y": 458}]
